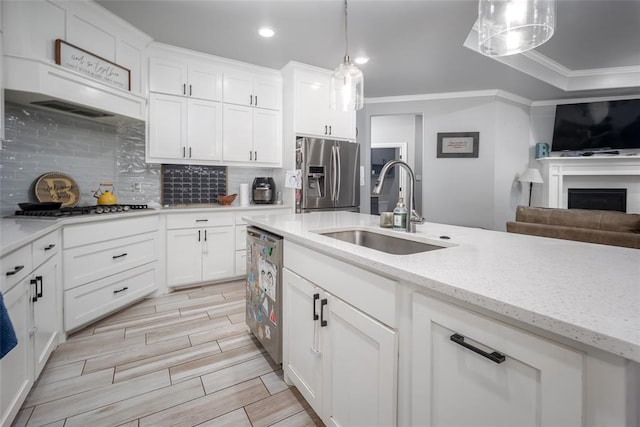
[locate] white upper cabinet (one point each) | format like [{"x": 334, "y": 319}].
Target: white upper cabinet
[
  {"x": 184, "y": 130},
  {"x": 252, "y": 90},
  {"x": 185, "y": 78},
  {"x": 310, "y": 92}
]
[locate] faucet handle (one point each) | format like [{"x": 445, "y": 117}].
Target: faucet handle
[{"x": 416, "y": 218}]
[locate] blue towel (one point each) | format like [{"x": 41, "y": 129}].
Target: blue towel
[{"x": 8, "y": 338}]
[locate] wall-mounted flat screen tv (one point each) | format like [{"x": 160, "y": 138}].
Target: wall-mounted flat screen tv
[{"x": 594, "y": 126}]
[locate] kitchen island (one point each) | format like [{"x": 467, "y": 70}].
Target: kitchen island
[{"x": 579, "y": 300}]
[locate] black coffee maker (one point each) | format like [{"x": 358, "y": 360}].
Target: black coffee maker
[{"x": 263, "y": 190}]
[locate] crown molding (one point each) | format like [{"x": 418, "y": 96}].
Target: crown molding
[
  {"x": 549, "y": 71},
  {"x": 492, "y": 93}
]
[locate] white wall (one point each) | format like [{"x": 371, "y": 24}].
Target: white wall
[{"x": 476, "y": 192}]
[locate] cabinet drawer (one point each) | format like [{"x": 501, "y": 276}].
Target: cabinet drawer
[
  {"x": 15, "y": 267},
  {"x": 241, "y": 237},
  {"x": 92, "y": 262},
  {"x": 204, "y": 219},
  {"x": 505, "y": 375},
  {"x": 105, "y": 230},
  {"x": 87, "y": 303},
  {"x": 44, "y": 248},
  {"x": 369, "y": 292},
  {"x": 258, "y": 212},
  {"x": 241, "y": 263}
]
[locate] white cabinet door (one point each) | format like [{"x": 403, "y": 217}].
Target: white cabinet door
[
  {"x": 16, "y": 367},
  {"x": 218, "y": 256},
  {"x": 359, "y": 357},
  {"x": 241, "y": 262},
  {"x": 47, "y": 310},
  {"x": 237, "y": 129},
  {"x": 238, "y": 88},
  {"x": 184, "y": 256},
  {"x": 167, "y": 126},
  {"x": 204, "y": 82},
  {"x": 311, "y": 103},
  {"x": 267, "y": 142},
  {"x": 313, "y": 116},
  {"x": 166, "y": 76},
  {"x": 302, "y": 361},
  {"x": 342, "y": 124},
  {"x": 538, "y": 383},
  {"x": 267, "y": 93},
  {"x": 204, "y": 130}
]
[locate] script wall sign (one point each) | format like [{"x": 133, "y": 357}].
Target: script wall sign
[{"x": 84, "y": 62}]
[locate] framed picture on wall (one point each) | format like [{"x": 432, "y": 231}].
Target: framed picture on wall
[{"x": 458, "y": 144}]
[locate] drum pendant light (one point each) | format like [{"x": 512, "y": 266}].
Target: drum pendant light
[
  {"x": 506, "y": 27},
  {"x": 347, "y": 83}
]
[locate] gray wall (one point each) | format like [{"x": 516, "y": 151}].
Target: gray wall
[{"x": 476, "y": 192}]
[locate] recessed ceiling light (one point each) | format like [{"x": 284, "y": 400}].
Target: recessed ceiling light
[
  {"x": 361, "y": 60},
  {"x": 266, "y": 32}
]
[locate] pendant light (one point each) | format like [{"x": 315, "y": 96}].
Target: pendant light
[
  {"x": 506, "y": 27},
  {"x": 347, "y": 83}
]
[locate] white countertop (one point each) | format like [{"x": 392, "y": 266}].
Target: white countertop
[
  {"x": 16, "y": 232},
  {"x": 585, "y": 292}
]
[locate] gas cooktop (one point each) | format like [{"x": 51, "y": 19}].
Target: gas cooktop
[{"x": 79, "y": 210}]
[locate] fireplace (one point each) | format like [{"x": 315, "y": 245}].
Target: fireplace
[{"x": 608, "y": 199}]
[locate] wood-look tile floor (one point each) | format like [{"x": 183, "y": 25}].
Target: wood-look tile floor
[{"x": 182, "y": 359}]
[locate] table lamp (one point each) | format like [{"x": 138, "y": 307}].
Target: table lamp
[{"x": 531, "y": 176}]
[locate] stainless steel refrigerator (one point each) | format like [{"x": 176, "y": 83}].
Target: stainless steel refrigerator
[{"x": 330, "y": 175}]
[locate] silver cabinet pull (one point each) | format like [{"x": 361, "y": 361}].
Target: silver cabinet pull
[
  {"x": 250, "y": 99},
  {"x": 256, "y": 104},
  {"x": 189, "y": 152},
  {"x": 51, "y": 246},
  {"x": 184, "y": 152},
  {"x": 250, "y": 155},
  {"x": 120, "y": 290},
  {"x": 189, "y": 90},
  {"x": 184, "y": 88},
  {"x": 255, "y": 156}
]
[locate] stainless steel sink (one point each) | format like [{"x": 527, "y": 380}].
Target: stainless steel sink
[{"x": 382, "y": 242}]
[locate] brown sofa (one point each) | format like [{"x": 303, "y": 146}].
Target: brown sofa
[{"x": 593, "y": 226}]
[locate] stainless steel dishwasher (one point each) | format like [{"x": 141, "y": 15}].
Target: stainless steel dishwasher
[{"x": 264, "y": 289}]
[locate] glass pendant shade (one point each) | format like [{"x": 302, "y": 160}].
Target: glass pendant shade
[
  {"x": 347, "y": 87},
  {"x": 347, "y": 83},
  {"x": 507, "y": 27}
]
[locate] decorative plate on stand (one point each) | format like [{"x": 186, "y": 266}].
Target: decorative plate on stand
[{"x": 57, "y": 187}]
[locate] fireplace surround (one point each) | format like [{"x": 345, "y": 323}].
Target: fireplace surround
[{"x": 561, "y": 173}]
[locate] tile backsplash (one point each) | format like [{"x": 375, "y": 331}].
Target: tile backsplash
[{"x": 39, "y": 141}]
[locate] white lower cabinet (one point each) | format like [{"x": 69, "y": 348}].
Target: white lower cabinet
[
  {"x": 469, "y": 370},
  {"x": 35, "y": 308},
  {"x": 343, "y": 361},
  {"x": 108, "y": 265},
  {"x": 200, "y": 255},
  {"x": 16, "y": 369},
  {"x": 47, "y": 311}
]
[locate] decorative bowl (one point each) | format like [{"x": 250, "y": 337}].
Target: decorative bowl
[{"x": 226, "y": 200}]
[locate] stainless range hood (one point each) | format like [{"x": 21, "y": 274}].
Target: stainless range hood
[{"x": 46, "y": 85}]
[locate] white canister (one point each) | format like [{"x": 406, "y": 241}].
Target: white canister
[{"x": 244, "y": 194}]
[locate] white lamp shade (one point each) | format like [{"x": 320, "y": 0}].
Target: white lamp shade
[
  {"x": 347, "y": 88},
  {"x": 506, "y": 27},
  {"x": 531, "y": 175}
]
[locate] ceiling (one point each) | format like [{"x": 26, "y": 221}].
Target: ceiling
[{"x": 416, "y": 47}]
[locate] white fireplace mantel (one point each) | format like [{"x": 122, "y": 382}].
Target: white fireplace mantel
[{"x": 556, "y": 169}]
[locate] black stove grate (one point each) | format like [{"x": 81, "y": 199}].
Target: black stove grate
[{"x": 80, "y": 210}]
